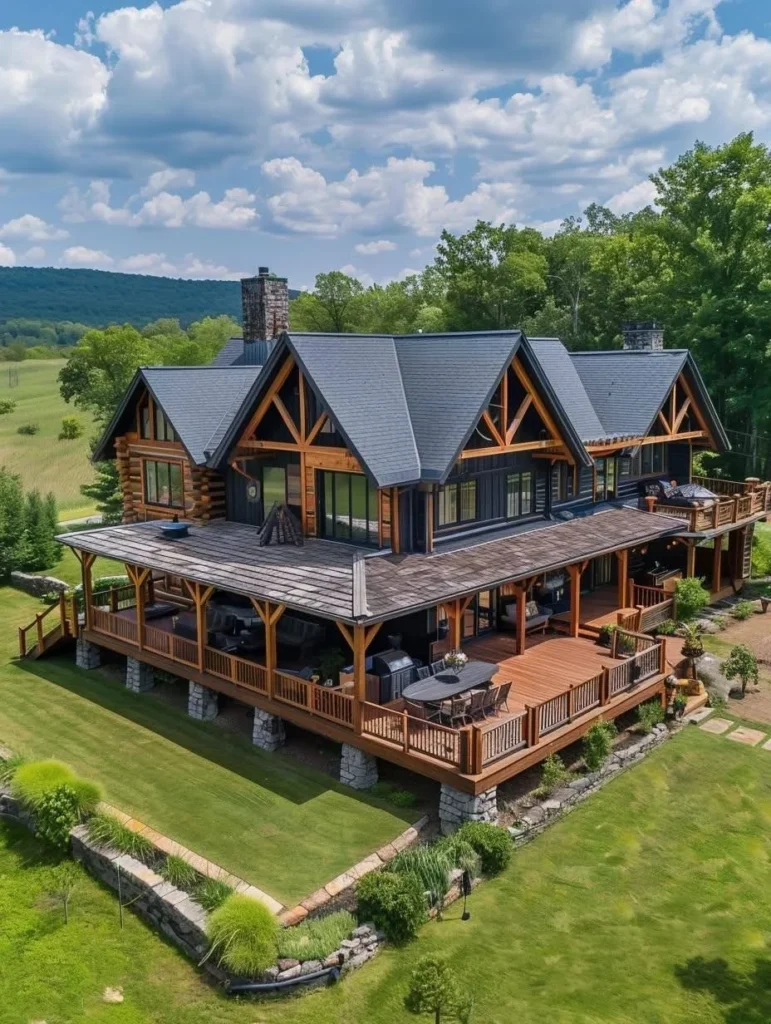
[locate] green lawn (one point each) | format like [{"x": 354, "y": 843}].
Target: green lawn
[
  {"x": 42, "y": 460},
  {"x": 651, "y": 902},
  {"x": 282, "y": 826}
]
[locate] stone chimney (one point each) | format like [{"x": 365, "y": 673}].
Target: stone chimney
[
  {"x": 643, "y": 336},
  {"x": 265, "y": 304}
]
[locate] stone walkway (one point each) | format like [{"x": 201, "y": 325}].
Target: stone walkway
[{"x": 728, "y": 728}]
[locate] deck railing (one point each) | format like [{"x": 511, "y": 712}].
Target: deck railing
[
  {"x": 235, "y": 670},
  {"x": 646, "y": 660},
  {"x": 553, "y": 713},
  {"x": 645, "y": 597},
  {"x": 499, "y": 739},
  {"x": 587, "y": 695},
  {"x": 318, "y": 700},
  {"x": 114, "y": 625},
  {"x": 413, "y": 735},
  {"x": 47, "y": 628},
  {"x": 736, "y": 501}
]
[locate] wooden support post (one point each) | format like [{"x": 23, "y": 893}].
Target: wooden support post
[
  {"x": 39, "y": 631},
  {"x": 521, "y": 618},
  {"x": 622, "y": 565},
  {"x": 605, "y": 686},
  {"x": 270, "y": 614},
  {"x": 690, "y": 560},
  {"x": 358, "y": 638},
  {"x": 86, "y": 562},
  {"x": 535, "y": 727},
  {"x": 63, "y": 621},
  {"x": 139, "y": 577},
  {"x": 456, "y": 624},
  {"x": 662, "y": 656},
  {"x": 575, "y": 572},
  {"x": 22, "y": 643},
  {"x": 200, "y": 595},
  {"x": 571, "y": 703},
  {"x": 717, "y": 564}
]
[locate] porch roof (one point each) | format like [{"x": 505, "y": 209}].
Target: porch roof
[{"x": 354, "y": 584}]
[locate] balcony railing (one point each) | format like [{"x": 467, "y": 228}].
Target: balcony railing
[{"x": 736, "y": 502}]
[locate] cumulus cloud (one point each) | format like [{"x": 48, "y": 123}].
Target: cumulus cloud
[
  {"x": 191, "y": 266},
  {"x": 31, "y": 229},
  {"x": 393, "y": 196},
  {"x": 235, "y": 210},
  {"x": 167, "y": 178},
  {"x": 632, "y": 199},
  {"x": 81, "y": 256},
  {"x": 7, "y": 256},
  {"x": 35, "y": 254},
  {"x": 373, "y": 248}
]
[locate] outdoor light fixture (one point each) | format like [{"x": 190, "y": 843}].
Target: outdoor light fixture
[{"x": 466, "y": 886}]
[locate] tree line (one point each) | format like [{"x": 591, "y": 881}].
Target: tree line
[{"x": 698, "y": 261}]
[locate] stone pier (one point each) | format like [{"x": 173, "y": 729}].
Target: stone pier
[
  {"x": 201, "y": 702},
  {"x": 268, "y": 733},
  {"x": 87, "y": 655},
  {"x": 139, "y": 676},
  {"x": 456, "y": 807},
  {"x": 357, "y": 769}
]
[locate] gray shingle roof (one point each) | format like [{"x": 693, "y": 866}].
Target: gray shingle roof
[
  {"x": 627, "y": 389},
  {"x": 237, "y": 352},
  {"x": 564, "y": 378},
  {"x": 359, "y": 380}
]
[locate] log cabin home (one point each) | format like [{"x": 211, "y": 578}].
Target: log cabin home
[{"x": 315, "y": 521}]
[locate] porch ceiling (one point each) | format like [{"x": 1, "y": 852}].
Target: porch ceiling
[{"x": 339, "y": 581}]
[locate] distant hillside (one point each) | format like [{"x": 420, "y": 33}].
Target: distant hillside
[{"x": 99, "y": 297}]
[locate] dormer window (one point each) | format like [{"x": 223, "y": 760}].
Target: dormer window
[{"x": 153, "y": 424}]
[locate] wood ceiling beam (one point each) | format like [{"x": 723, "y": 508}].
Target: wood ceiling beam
[{"x": 516, "y": 423}]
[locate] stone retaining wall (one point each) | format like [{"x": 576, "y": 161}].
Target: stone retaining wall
[{"x": 38, "y": 586}]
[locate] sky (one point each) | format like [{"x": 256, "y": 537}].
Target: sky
[{"x": 205, "y": 138}]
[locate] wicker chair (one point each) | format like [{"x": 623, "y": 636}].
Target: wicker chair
[
  {"x": 490, "y": 706},
  {"x": 456, "y": 710},
  {"x": 476, "y": 704},
  {"x": 424, "y": 672},
  {"x": 502, "y": 697}
]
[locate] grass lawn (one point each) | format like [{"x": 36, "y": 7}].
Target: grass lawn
[
  {"x": 42, "y": 460},
  {"x": 651, "y": 902},
  {"x": 284, "y": 827},
  {"x": 761, "y": 550}
]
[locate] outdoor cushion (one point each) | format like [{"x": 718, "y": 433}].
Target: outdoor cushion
[{"x": 532, "y": 609}]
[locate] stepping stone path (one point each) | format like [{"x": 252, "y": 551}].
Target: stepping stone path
[
  {"x": 751, "y": 737},
  {"x": 717, "y": 725},
  {"x": 740, "y": 734}
]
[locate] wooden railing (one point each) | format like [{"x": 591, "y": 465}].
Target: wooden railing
[
  {"x": 46, "y": 629},
  {"x": 736, "y": 501},
  {"x": 499, "y": 739},
  {"x": 645, "y": 597},
  {"x": 114, "y": 625},
  {"x": 115, "y": 598},
  {"x": 413, "y": 735},
  {"x": 587, "y": 695},
  {"x": 235, "y": 670},
  {"x": 718, "y": 485},
  {"x": 655, "y": 615},
  {"x": 553, "y": 713},
  {"x": 318, "y": 700},
  {"x": 647, "y": 659}
]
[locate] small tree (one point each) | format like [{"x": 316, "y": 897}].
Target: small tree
[
  {"x": 433, "y": 989},
  {"x": 597, "y": 744},
  {"x": 690, "y": 597},
  {"x": 106, "y": 493},
  {"x": 743, "y": 665},
  {"x": 72, "y": 428},
  {"x": 64, "y": 880},
  {"x": 42, "y": 549}
]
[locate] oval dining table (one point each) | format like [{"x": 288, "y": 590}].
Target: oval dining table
[{"x": 451, "y": 682}]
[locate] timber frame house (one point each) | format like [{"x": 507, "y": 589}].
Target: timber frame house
[{"x": 483, "y": 491}]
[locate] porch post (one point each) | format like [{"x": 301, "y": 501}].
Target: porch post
[
  {"x": 200, "y": 595},
  {"x": 576, "y": 572},
  {"x": 358, "y": 638},
  {"x": 456, "y": 627},
  {"x": 270, "y": 614},
  {"x": 521, "y": 618},
  {"x": 138, "y": 577},
  {"x": 86, "y": 562},
  {"x": 717, "y": 564},
  {"x": 690, "y": 562},
  {"x": 622, "y": 564}
]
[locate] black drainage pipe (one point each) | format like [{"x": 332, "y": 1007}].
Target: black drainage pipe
[{"x": 331, "y": 974}]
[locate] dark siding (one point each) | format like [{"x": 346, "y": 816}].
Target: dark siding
[
  {"x": 407, "y": 532},
  {"x": 680, "y": 462},
  {"x": 239, "y": 508}
]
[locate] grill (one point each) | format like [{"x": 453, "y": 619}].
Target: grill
[{"x": 396, "y": 670}]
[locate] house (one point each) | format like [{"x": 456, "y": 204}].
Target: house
[{"x": 315, "y": 520}]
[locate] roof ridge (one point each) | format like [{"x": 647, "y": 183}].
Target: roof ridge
[{"x": 622, "y": 351}]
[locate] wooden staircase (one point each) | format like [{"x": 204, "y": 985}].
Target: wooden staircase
[{"x": 50, "y": 631}]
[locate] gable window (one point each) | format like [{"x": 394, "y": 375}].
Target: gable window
[
  {"x": 605, "y": 479},
  {"x": 519, "y": 494},
  {"x": 349, "y": 509},
  {"x": 652, "y": 459},
  {"x": 457, "y": 503},
  {"x": 153, "y": 424},
  {"x": 163, "y": 484}
]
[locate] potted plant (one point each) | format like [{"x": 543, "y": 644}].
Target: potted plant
[
  {"x": 605, "y": 635},
  {"x": 679, "y": 704},
  {"x": 331, "y": 663},
  {"x": 456, "y": 660},
  {"x": 693, "y": 644}
]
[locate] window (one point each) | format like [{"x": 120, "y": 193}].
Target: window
[
  {"x": 349, "y": 509},
  {"x": 604, "y": 479},
  {"x": 163, "y": 484},
  {"x": 562, "y": 481},
  {"x": 625, "y": 465},
  {"x": 519, "y": 494},
  {"x": 457, "y": 503},
  {"x": 153, "y": 424},
  {"x": 652, "y": 459},
  {"x": 273, "y": 487}
]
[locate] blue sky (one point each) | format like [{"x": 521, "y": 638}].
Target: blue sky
[{"x": 203, "y": 138}]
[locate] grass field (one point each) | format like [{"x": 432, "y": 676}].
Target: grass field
[
  {"x": 651, "y": 902},
  {"x": 41, "y": 459},
  {"x": 284, "y": 827}
]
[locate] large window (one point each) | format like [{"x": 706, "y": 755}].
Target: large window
[
  {"x": 154, "y": 426},
  {"x": 652, "y": 459},
  {"x": 457, "y": 503},
  {"x": 163, "y": 484},
  {"x": 348, "y": 508},
  {"x": 604, "y": 479},
  {"x": 562, "y": 481},
  {"x": 519, "y": 494}
]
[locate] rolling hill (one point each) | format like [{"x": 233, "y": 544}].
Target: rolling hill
[{"x": 99, "y": 297}]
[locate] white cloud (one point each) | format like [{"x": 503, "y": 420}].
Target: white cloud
[
  {"x": 163, "y": 209},
  {"x": 80, "y": 256},
  {"x": 169, "y": 177},
  {"x": 393, "y": 196},
  {"x": 373, "y": 248},
  {"x": 35, "y": 254},
  {"x": 32, "y": 229},
  {"x": 361, "y": 275},
  {"x": 632, "y": 199},
  {"x": 157, "y": 264},
  {"x": 7, "y": 256}
]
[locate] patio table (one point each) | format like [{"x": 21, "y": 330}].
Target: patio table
[{"x": 451, "y": 683}]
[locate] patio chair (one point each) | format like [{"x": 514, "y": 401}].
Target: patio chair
[
  {"x": 456, "y": 710},
  {"x": 476, "y": 704},
  {"x": 502, "y": 697},
  {"x": 438, "y": 666},
  {"x": 424, "y": 672},
  {"x": 490, "y": 706}
]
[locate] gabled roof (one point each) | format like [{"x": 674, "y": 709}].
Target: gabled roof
[
  {"x": 406, "y": 405},
  {"x": 237, "y": 352},
  {"x": 628, "y": 388},
  {"x": 200, "y": 402},
  {"x": 564, "y": 378}
]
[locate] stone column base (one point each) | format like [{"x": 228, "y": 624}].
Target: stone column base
[
  {"x": 201, "y": 702},
  {"x": 268, "y": 733},
  {"x": 87, "y": 655},
  {"x": 357, "y": 768},
  {"x": 456, "y": 807},
  {"x": 139, "y": 676}
]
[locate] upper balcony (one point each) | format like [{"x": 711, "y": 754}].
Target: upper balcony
[{"x": 736, "y": 502}]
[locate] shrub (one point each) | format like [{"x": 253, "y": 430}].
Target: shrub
[
  {"x": 741, "y": 664},
  {"x": 666, "y": 628},
  {"x": 29, "y": 429},
  {"x": 316, "y": 939},
  {"x": 434, "y": 990},
  {"x": 178, "y": 872},
  {"x": 7, "y": 405},
  {"x": 33, "y": 780},
  {"x": 491, "y": 843},
  {"x": 108, "y": 831},
  {"x": 243, "y": 935},
  {"x": 71, "y": 428},
  {"x": 430, "y": 865},
  {"x": 395, "y": 796},
  {"x": 649, "y": 714},
  {"x": 718, "y": 702},
  {"x": 605, "y": 635},
  {"x": 56, "y": 813},
  {"x": 693, "y": 643},
  {"x": 553, "y": 774},
  {"x": 394, "y": 902},
  {"x": 598, "y": 743},
  {"x": 9, "y": 766},
  {"x": 89, "y": 794},
  {"x": 690, "y": 597},
  {"x": 720, "y": 622},
  {"x": 743, "y": 610},
  {"x": 211, "y": 893}
]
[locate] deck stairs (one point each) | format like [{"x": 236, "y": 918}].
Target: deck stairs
[{"x": 50, "y": 632}]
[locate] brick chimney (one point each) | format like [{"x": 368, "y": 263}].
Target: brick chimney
[
  {"x": 643, "y": 336},
  {"x": 265, "y": 305}
]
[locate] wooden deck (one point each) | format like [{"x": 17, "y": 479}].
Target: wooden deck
[{"x": 598, "y": 608}]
